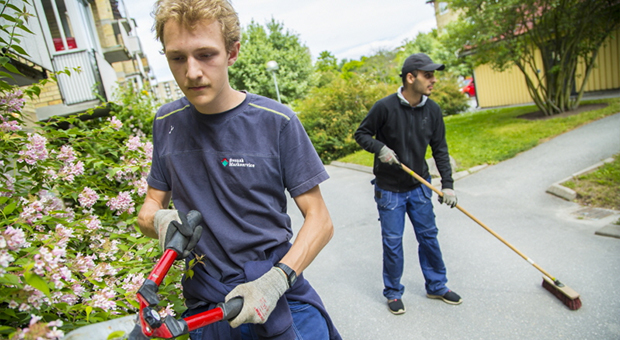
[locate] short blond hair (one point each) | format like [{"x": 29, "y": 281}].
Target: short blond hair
[{"x": 190, "y": 12}]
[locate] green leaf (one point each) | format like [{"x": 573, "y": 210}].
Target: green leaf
[
  {"x": 6, "y": 329},
  {"x": 98, "y": 284},
  {"x": 115, "y": 335},
  {"x": 9, "y": 208},
  {"x": 6, "y": 75},
  {"x": 88, "y": 310},
  {"x": 37, "y": 282},
  {"x": 134, "y": 303},
  {"x": 11, "y": 68},
  {"x": 19, "y": 50},
  {"x": 9, "y": 312},
  {"x": 10, "y": 279},
  {"x": 9, "y": 18},
  {"x": 26, "y": 29}
]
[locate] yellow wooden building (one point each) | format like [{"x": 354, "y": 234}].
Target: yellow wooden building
[{"x": 508, "y": 87}]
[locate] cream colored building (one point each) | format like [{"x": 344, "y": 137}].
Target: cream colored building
[
  {"x": 167, "y": 91},
  {"x": 94, "y": 39}
]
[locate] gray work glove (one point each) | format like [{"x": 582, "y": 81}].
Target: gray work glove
[
  {"x": 259, "y": 297},
  {"x": 387, "y": 155},
  {"x": 169, "y": 222},
  {"x": 449, "y": 197}
]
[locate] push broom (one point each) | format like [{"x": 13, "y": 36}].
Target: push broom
[{"x": 561, "y": 291}]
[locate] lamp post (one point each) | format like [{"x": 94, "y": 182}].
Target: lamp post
[{"x": 272, "y": 66}]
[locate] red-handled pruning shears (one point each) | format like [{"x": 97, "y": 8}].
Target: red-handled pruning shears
[{"x": 150, "y": 322}]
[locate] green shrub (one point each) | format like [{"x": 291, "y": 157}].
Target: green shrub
[
  {"x": 70, "y": 251},
  {"x": 332, "y": 113},
  {"x": 447, "y": 94}
]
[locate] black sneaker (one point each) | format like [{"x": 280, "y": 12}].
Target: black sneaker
[
  {"x": 449, "y": 297},
  {"x": 396, "y": 306}
]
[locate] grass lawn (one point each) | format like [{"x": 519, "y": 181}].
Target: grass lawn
[
  {"x": 494, "y": 135},
  {"x": 600, "y": 188}
]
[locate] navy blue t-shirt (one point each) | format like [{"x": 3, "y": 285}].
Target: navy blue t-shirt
[{"x": 234, "y": 167}]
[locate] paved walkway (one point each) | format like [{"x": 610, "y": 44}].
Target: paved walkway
[{"x": 502, "y": 295}]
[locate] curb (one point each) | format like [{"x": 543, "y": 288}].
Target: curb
[
  {"x": 568, "y": 194},
  {"x": 610, "y": 230}
]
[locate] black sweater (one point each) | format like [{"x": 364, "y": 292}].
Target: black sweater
[{"x": 408, "y": 131}]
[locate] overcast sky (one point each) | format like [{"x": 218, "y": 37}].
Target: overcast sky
[{"x": 348, "y": 29}]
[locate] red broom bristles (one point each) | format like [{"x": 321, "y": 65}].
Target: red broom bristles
[{"x": 572, "y": 304}]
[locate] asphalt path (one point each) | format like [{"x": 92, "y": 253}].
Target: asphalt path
[{"x": 502, "y": 293}]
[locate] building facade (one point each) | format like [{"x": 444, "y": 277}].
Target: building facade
[
  {"x": 91, "y": 46},
  {"x": 167, "y": 91},
  {"x": 494, "y": 88}
]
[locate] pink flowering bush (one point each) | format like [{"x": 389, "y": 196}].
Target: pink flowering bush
[{"x": 71, "y": 253}]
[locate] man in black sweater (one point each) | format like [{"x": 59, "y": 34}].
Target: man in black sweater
[{"x": 405, "y": 124}]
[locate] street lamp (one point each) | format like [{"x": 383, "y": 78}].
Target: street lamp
[{"x": 272, "y": 66}]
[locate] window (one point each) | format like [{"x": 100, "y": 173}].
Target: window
[
  {"x": 443, "y": 8},
  {"x": 59, "y": 24}
]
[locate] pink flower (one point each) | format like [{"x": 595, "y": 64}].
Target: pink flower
[
  {"x": 65, "y": 235},
  {"x": 148, "y": 151},
  {"x": 78, "y": 289},
  {"x": 35, "y": 150},
  {"x": 15, "y": 238},
  {"x": 103, "y": 299},
  {"x": 66, "y": 153},
  {"x": 133, "y": 144},
  {"x": 70, "y": 170},
  {"x": 34, "y": 319},
  {"x": 93, "y": 223},
  {"x": 142, "y": 186},
  {"x": 10, "y": 126},
  {"x": 115, "y": 123},
  {"x": 122, "y": 203},
  {"x": 57, "y": 323},
  {"x": 13, "y": 102},
  {"x": 85, "y": 263},
  {"x": 5, "y": 260},
  {"x": 132, "y": 283},
  {"x": 88, "y": 197},
  {"x": 168, "y": 311},
  {"x": 7, "y": 183},
  {"x": 55, "y": 334}
]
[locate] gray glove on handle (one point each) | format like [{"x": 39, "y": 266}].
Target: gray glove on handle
[
  {"x": 259, "y": 297},
  {"x": 387, "y": 155},
  {"x": 449, "y": 197},
  {"x": 169, "y": 222}
]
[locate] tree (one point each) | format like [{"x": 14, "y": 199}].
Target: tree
[
  {"x": 325, "y": 69},
  {"x": 545, "y": 39},
  {"x": 437, "y": 46},
  {"x": 258, "y": 46}
]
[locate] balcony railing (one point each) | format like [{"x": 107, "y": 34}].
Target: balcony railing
[{"x": 79, "y": 86}]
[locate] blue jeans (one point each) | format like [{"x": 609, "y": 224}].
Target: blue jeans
[
  {"x": 417, "y": 204},
  {"x": 308, "y": 324}
]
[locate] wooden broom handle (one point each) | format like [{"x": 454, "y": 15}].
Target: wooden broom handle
[{"x": 438, "y": 192}]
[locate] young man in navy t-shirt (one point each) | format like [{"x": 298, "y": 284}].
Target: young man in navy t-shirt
[{"x": 231, "y": 156}]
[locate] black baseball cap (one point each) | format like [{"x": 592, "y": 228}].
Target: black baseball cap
[{"x": 420, "y": 61}]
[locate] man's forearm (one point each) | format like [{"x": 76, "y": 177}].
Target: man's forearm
[
  {"x": 154, "y": 201},
  {"x": 145, "y": 219},
  {"x": 314, "y": 234}
]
